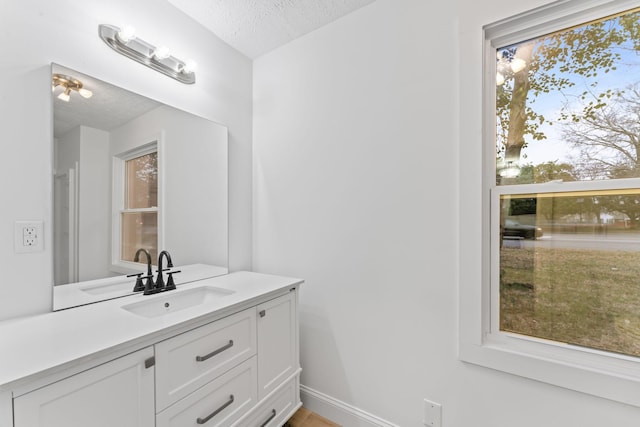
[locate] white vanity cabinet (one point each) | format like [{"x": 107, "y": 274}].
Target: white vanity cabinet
[
  {"x": 118, "y": 393},
  {"x": 260, "y": 344},
  {"x": 239, "y": 369}
]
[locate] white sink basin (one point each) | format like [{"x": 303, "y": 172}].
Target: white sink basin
[{"x": 172, "y": 301}]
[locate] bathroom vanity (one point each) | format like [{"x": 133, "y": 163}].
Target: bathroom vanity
[{"x": 215, "y": 352}]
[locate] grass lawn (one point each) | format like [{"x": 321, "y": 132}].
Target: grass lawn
[{"x": 583, "y": 297}]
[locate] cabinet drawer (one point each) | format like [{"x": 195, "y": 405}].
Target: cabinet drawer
[
  {"x": 188, "y": 361},
  {"x": 218, "y": 404},
  {"x": 276, "y": 409}
]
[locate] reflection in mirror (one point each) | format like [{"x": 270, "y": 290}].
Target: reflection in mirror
[{"x": 131, "y": 173}]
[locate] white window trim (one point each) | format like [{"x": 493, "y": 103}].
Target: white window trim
[
  {"x": 598, "y": 373},
  {"x": 117, "y": 202}
]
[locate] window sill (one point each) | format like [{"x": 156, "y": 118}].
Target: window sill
[{"x": 554, "y": 366}]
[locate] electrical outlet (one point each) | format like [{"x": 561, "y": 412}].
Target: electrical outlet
[
  {"x": 432, "y": 414},
  {"x": 29, "y": 230},
  {"x": 28, "y": 236}
]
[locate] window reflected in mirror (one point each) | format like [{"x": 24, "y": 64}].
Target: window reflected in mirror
[{"x": 139, "y": 218}]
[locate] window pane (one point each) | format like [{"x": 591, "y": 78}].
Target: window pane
[
  {"x": 570, "y": 268},
  {"x": 141, "y": 182},
  {"x": 139, "y": 230},
  {"x": 568, "y": 104}
]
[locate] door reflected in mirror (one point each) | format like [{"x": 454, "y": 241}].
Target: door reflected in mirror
[{"x": 132, "y": 173}]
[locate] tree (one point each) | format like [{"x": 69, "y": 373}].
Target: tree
[
  {"x": 608, "y": 142},
  {"x": 550, "y": 64},
  {"x": 553, "y": 171},
  {"x": 607, "y": 138}
]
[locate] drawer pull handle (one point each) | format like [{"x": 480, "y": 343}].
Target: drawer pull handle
[
  {"x": 214, "y": 352},
  {"x": 273, "y": 415},
  {"x": 216, "y": 412},
  {"x": 150, "y": 362},
  {"x": 262, "y": 313}
]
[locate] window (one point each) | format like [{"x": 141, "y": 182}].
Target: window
[
  {"x": 136, "y": 201},
  {"x": 568, "y": 149},
  {"x": 139, "y": 218},
  {"x": 559, "y": 300}
]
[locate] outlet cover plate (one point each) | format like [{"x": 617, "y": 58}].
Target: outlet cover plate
[
  {"x": 28, "y": 236},
  {"x": 432, "y": 414}
]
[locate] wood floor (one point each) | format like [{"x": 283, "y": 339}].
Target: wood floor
[{"x": 305, "y": 418}]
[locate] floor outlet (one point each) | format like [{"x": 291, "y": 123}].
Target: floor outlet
[
  {"x": 28, "y": 236},
  {"x": 432, "y": 414}
]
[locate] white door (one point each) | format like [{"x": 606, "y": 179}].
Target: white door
[{"x": 117, "y": 394}]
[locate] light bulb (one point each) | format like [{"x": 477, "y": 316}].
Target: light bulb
[
  {"x": 64, "y": 96},
  {"x": 189, "y": 67},
  {"x": 162, "y": 52},
  {"x": 499, "y": 79},
  {"x": 127, "y": 34},
  {"x": 518, "y": 64},
  {"x": 85, "y": 93}
]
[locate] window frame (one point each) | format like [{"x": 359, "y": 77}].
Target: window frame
[
  {"x": 595, "y": 372},
  {"x": 118, "y": 199}
]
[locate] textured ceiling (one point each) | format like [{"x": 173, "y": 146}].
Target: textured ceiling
[
  {"x": 255, "y": 27},
  {"x": 108, "y": 108}
]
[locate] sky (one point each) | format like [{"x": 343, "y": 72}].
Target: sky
[{"x": 549, "y": 105}]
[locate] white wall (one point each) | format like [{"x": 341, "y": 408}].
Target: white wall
[
  {"x": 365, "y": 133},
  {"x": 93, "y": 204},
  {"x": 38, "y": 32},
  {"x": 67, "y": 150}
]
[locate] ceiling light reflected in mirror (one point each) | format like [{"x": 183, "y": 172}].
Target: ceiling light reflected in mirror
[{"x": 68, "y": 84}]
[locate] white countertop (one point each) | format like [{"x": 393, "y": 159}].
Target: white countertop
[{"x": 35, "y": 346}]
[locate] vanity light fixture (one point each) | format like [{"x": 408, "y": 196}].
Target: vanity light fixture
[
  {"x": 125, "y": 42},
  {"x": 68, "y": 84}
]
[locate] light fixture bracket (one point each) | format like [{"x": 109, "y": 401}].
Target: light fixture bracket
[{"x": 143, "y": 52}]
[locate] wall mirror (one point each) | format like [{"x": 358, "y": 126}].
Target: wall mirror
[{"x": 131, "y": 173}]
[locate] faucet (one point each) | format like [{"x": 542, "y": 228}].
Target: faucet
[
  {"x": 149, "y": 285},
  {"x": 160, "y": 285}
]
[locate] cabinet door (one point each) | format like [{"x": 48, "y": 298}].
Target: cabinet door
[
  {"x": 119, "y": 393},
  {"x": 277, "y": 342}
]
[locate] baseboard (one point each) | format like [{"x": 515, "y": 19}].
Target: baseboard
[{"x": 338, "y": 411}]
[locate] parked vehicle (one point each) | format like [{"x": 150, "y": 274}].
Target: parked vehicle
[{"x": 515, "y": 229}]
